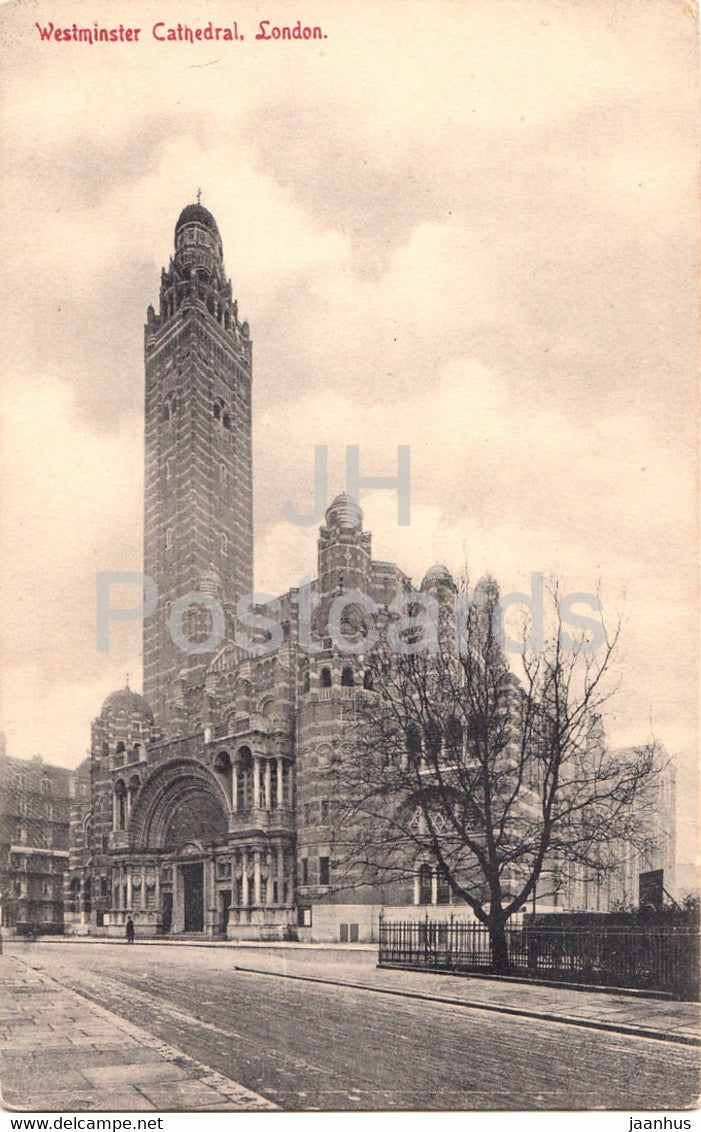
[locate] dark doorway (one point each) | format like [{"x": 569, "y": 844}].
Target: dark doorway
[
  {"x": 167, "y": 914},
  {"x": 193, "y": 897}
]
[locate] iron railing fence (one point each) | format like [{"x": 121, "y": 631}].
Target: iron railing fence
[{"x": 652, "y": 957}]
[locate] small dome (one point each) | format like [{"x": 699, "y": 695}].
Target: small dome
[
  {"x": 438, "y": 575},
  {"x": 197, "y": 214},
  {"x": 126, "y": 702},
  {"x": 344, "y": 512}
]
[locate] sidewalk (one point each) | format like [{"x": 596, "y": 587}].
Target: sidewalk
[{"x": 61, "y": 1053}]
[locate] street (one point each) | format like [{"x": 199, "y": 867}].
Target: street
[{"x": 305, "y": 1045}]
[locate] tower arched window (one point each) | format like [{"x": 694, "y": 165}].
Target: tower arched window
[
  {"x": 223, "y": 770},
  {"x": 367, "y": 680},
  {"x": 226, "y": 421},
  {"x": 325, "y": 678},
  {"x": 218, "y": 408},
  {"x": 170, "y": 407},
  {"x": 347, "y": 677},
  {"x": 120, "y": 814}
]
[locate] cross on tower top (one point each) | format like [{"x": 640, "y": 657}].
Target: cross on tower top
[{"x": 199, "y": 194}]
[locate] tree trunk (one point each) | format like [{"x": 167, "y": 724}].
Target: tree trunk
[{"x": 499, "y": 948}]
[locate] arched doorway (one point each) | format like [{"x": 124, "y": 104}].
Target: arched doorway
[{"x": 181, "y": 816}]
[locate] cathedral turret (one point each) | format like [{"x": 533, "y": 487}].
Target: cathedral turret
[{"x": 343, "y": 548}]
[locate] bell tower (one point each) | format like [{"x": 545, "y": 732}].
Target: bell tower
[{"x": 198, "y": 521}]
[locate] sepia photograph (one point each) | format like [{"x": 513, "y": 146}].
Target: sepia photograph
[{"x": 350, "y": 603}]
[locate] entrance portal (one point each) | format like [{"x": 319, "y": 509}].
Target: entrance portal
[{"x": 193, "y": 897}]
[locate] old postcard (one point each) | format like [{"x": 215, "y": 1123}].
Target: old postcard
[{"x": 349, "y": 720}]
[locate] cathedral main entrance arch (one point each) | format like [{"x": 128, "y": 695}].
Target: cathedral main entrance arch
[{"x": 181, "y": 817}]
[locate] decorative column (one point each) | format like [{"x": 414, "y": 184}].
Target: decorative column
[
  {"x": 244, "y": 878},
  {"x": 280, "y": 799},
  {"x": 267, "y": 784},
  {"x": 234, "y": 788},
  {"x": 256, "y": 782},
  {"x": 256, "y": 877},
  {"x": 128, "y": 888},
  {"x": 280, "y": 875},
  {"x": 210, "y": 905},
  {"x": 434, "y": 886},
  {"x": 115, "y": 811},
  {"x": 417, "y": 889},
  {"x": 143, "y": 886}
]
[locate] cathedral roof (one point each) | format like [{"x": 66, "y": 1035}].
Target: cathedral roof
[
  {"x": 197, "y": 214},
  {"x": 126, "y": 702}
]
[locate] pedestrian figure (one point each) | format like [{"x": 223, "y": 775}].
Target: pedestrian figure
[{"x": 130, "y": 930}]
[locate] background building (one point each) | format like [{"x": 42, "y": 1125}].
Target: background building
[{"x": 34, "y": 820}]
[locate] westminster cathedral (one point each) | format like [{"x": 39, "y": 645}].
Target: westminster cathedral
[{"x": 204, "y": 807}]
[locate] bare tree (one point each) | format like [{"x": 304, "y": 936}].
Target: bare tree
[{"x": 456, "y": 764}]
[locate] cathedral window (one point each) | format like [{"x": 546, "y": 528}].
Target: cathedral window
[
  {"x": 305, "y": 871},
  {"x": 425, "y": 885},
  {"x": 324, "y": 871},
  {"x": 120, "y": 814},
  {"x": 367, "y": 680},
  {"x": 217, "y": 410},
  {"x": 453, "y": 738},
  {"x": 324, "y": 811},
  {"x": 413, "y": 743},
  {"x": 226, "y": 421},
  {"x": 223, "y": 769},
  {"x": 443, "y": 889},
  {"x": 326, "y": 677},
  {"x": 347, "y": 677}
]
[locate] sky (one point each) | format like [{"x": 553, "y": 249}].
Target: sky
[{"x": 466, "y": 227}]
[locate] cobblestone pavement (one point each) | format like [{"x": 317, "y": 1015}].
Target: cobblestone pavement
[
  {"x": 59, "y": 1052},
  {"x": 357, "y": 965},
  {"x": 307, "y": 1045},
  {"x": 676, "y": 1020}
]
